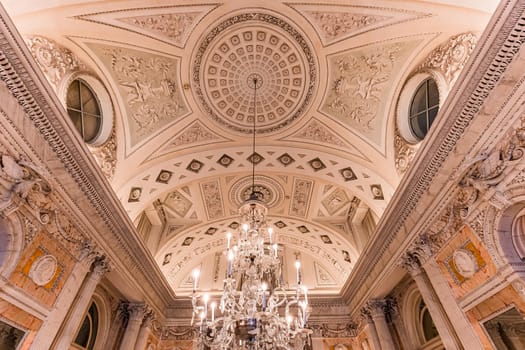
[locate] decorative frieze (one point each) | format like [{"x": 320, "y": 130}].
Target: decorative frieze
[{"x": 334, "y": 330}]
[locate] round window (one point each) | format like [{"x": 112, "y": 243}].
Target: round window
[
  {"x": 423, "y": 108},
  {"x": 84, "y": 110}
]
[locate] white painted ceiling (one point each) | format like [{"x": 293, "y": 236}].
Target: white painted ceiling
[{"x": 178, "y": 76}]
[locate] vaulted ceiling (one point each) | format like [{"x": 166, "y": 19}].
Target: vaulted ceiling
[{"x": 179, "y": 80}]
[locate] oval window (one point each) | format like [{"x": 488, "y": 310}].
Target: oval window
[
  {"x": 84, "y": 110},
  {"x": 423, "y": 108}
]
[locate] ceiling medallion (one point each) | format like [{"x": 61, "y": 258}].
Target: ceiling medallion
[
  {"x": 248, "y": 48},
  {"x": 271, "y": 191}
]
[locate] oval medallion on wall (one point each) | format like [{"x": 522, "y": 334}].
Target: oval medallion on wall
[{"x": 43, "y": 269}]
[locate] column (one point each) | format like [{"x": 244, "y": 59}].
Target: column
[
  {"x": 136, "y": 315},
  {"x": 76, "y": 315},
  {"x": 119, "y": 310},
  {"x": 144, "y": 331},
  {"x": 63, "y": 303},
  {"x": 398, "y": 324},
  {"x": 461, "y": 325},
  {"x": 371, "y": 328},
  {"x": 444, "y": 327},
  {"x": 377, "y": 310}
]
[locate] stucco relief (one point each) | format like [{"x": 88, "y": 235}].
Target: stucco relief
[
  {"x": 178, "y": 202},
  {"x": 322, "y": 277},
  {"x": 450, "y": 58},
  {"x": 404, "y": 152},
  {"x": 360, "y": 82},
  {"x": 149, "y": 86},
  {"x": 43, "y": 269},
  {"x": 302, "y": 190},
  {"x": 175, "y": 27},
  {"x": 106, "y": 156},
  {"x": 318, "y": 132},
  {"x": 465, "y": 262},
  {"x": 195, "y": 133},
  {"x": 54, "y": 60},
  {"x": 335, "y": 25},
  {"x": 335, "y": 201},
  {"x": 212, "y": 197}
]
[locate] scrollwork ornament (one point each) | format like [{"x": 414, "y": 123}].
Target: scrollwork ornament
[
  {"x": 450, "y": 58},
  {"x": 54, "y": 60},
  {"x": 106, "y": 156},
  {"x": 404, "y": 152}
]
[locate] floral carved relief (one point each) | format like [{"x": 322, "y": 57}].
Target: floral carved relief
[
  {"x": 450, "y": 58},
  {"x": 106, "y": 156},
  {"x": 54, "y": 60},
  {"x": 211, "y": 194},
  {"x": 404, "y": 152}
]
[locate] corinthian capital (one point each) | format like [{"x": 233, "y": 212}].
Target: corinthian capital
[
  {"x": 410, "y": 263},
  {"x": 101, "y": 266},
  {"x": 137, "y": 311},
  {"x": 377, "y": 308}
]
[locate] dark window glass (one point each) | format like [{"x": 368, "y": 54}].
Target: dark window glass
[
  {"x": 429, "y": 329},
  {"x": 87, "y": 334},
  {"x": 423, "y": 108},
  {"x": 84, "y": 110}
]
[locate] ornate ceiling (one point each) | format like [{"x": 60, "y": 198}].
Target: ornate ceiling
[{"x": 180, "y": 83}]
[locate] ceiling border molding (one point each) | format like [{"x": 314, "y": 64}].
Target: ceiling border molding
[
  {"x": 494, "y": 53},
  {"x": 29, "y": 87}
]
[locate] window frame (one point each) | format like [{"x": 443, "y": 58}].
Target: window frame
[
  {"x": 405, "y": 102},
  {"x": 103, "y": 99}
]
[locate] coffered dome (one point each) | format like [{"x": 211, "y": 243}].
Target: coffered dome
[{"x": 248, "y": 47}]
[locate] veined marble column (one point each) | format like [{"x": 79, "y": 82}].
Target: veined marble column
[
  {"x": 144, "y": 331},
  {"x": 99, "y": 267},
  {"x": 377, "y": 310},
  {"x": 371, "y": 328},
  {"x": 136, "y": 315}
]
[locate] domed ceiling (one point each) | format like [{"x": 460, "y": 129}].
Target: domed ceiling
[{"x": 180, "y": 81}]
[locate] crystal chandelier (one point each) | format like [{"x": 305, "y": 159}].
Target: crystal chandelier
[{"x": 255, "y": 311}]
